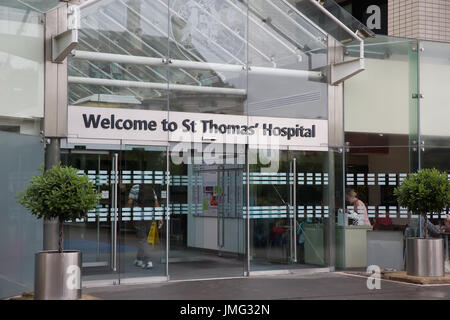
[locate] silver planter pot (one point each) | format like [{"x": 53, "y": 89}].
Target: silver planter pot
[
  {"x": 425, "y": 257},
  {"x": 57, "y": 276}
]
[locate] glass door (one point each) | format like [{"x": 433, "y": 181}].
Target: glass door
[
  {"x": 207, "y": 226},
  {"x": 142, "y": 226},
  {"x": 95, "y": 235},
  {"x": 312, "y": 214},
  {"x": 123, "y": 239},
  {"x": 288, "y": 209},
  {"x": 271, "y": 209}
]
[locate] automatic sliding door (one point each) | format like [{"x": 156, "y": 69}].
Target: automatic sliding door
[
  {"x": 312, "y": 209},
  {"x": 94, "y": 235},
  {"x": 271, "y": 209},
  {"x": 142, "y": 213},
  {"x": 288, "y": 209},
  {"x": 207, "y": 230}
]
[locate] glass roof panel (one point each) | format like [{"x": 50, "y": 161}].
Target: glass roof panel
[
  {"x": 327, "y": 24},
  {"x": 15, "y": 11},
  {"x": 210, "y": 31},
  {"x": 36, "y": 5},
  {"x": 381, "y": 47}
]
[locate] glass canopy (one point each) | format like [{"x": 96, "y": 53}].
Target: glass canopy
[
  {"x": 210, "y": 44},
  {"x": 330, "y": 26},
  {"x": 41, "y": 6}
]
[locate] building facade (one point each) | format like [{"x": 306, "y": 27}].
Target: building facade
[
  {"x": 421, "y": 19},
  {"x": 222, "y": 135}
]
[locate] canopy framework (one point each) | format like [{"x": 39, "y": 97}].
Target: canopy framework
[{"x": 261, "y": 37}]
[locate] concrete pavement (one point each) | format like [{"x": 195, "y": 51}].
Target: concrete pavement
[{"x": 336, "y": 286}]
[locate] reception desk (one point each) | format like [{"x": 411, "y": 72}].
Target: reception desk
[
  {"x": 351, "y": 245},
  {"x": 314, "y": 253}
]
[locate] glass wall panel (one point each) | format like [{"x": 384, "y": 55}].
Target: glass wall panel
[
  {"x": 22, "y": 75},
  {"x": 439, "y": 158},
  {"x": 379, "y": 103},
  {"x": 370, "y": 230},
  {"x": 381, "y": 135},
  {"x": 20, "y": 233},
  {"x": 435, "y": 105}
]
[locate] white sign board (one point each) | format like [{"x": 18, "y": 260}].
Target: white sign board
[{"x": 149, "y": 125}]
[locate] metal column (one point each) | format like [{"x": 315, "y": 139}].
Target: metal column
[
  {"x": 55, "y": 107},
  {"x": 52, "y": 158}
]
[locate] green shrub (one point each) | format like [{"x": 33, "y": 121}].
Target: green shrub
[
  {"x": 427, "y": 191},
  {"x": 59, "y": 193}
]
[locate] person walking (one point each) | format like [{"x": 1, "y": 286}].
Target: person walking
[{"x": 143, "y": 196}]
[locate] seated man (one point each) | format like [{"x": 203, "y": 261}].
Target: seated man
[
  {"x": 446, "y": 228},
  {"x": 447, "y": 224},
  {"x": 278, "y": 234},
  {"x": 434, "y": 231}
]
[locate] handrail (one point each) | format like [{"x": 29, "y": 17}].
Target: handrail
[
  {"x": 342, "y": 25},
  {"x": 87, "y": 3},
  {"x": 194, "y": 65}
]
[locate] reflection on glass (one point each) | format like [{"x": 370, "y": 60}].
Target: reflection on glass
[{"x": 22, "y": 76}]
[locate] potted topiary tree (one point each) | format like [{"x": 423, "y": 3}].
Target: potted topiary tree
[
  {"x": 427, "y": 191},
  {"x": 58, "y": 193}
]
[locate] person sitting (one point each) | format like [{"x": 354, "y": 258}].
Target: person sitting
[
  {"x": 278, "y": 238},
  {"x": 432, "y": 230},
  {"x": 447, "y": 224}
]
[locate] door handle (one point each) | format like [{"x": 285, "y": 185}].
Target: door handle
[
  {"x": 115, "y": 164},
  {"x": 294, "y": 202}
]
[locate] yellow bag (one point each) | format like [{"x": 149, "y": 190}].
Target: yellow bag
[{"x": 153, "y": 235}]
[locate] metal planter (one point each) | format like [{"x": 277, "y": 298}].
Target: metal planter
[
  {"x": 425, "y": 257},
  {"x": 57, "y": 275}
]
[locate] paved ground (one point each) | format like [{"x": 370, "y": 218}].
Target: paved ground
[{"x": 318, "y": 286}]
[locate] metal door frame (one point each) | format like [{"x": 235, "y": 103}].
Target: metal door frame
[
  {"x": 113, "y": 188},
  {"x": 115, "y": 157}
]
